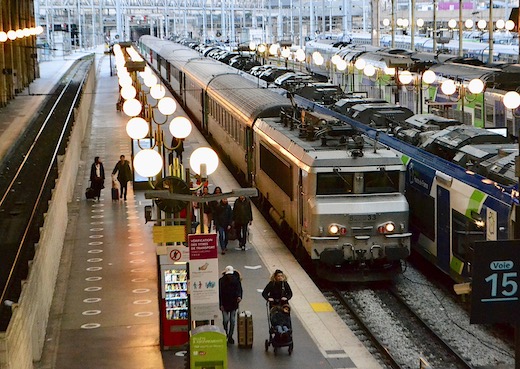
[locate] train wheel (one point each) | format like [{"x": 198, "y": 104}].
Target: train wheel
[{"x": 266, "y": 345}]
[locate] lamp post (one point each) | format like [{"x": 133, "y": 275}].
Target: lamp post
[{"x": 475, "y": 86}]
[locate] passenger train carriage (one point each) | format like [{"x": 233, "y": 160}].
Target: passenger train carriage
[{"x": 336, "y": 196}]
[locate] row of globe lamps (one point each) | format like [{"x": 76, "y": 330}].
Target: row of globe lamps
[
  {"x": 277, "y": 50},
  {"x": 511, "y": 99},
  {"x": 20, "y": 33},
  {"x": 481, "y": 24},
  {"x": 149, "y": 162}
]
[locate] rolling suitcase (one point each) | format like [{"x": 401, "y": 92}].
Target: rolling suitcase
[
  {"x": 245, "y": 329},
  {"x": 115, "y": 193},
  {"x": 90, "y": 193}
]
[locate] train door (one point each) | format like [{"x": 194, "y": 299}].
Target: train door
[
  {"x": 443, "y": 228},
  {"x": 300, "y": 201},
  {"x": 250, "y": 154},
  {"x": 204, "y": 112}
]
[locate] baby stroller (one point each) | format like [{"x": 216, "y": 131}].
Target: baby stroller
[{"x": 280, "y": 328}]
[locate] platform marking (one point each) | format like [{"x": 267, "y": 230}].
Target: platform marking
[
  {"x": 94, "y": 269},
  {"x": 96, "y": 236},
  {"x": 91, "y": 312},
  {"x": 142, "y": 302},
  {"x": 138, "y": 270},
  {"x": 322, "y": 307},
  {"x": 137, "y": 261},
  {"x": 91, "y": 326},
  {"x": 139, "y": 279},
  {"x": 136, "y": 252},
  {"x": 252, "y": 267},
  {"x": 141, "y": 290},
  {"x": 95, "y": 251},
  {"x": 98, "y": 210},
  {"x": 92, "y": 300},
  {"x": 93, "y": 279},
  {"x": 96, "y": 229},
  {"x": 135, "y": 244},
  {"x": 97, "y": 216},
  {"x": 94, "y": 260},
  {"x": 96, "y": 223},
  {"x": 95, "y": 243},
  {"x": 143, "y": 314},
  {"x": 93, "y": 289}
]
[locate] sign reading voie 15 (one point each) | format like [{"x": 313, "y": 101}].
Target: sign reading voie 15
[{"x": 495, "y": 285}]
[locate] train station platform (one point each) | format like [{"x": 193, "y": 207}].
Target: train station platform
[{"x": 105, "y": 311}]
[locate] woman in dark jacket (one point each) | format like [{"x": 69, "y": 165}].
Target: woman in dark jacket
[
  {"x": 97, "y": 177},
  {"x": 230, "y": 295},
  {"x": 277, "y": 291}
]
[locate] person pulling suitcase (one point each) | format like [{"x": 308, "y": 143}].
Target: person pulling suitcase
[{"x": 230, "y": 295}]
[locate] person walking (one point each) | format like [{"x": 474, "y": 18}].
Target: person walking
[
  {"x": 242, "y": 218},
  {"x": 97, "y": 177},
  {"x": 223, "y": 217},
  {"x": 277, "y": 291},
  {"x": 124, "y": 174},
  {"x": 230, "y": 295}
]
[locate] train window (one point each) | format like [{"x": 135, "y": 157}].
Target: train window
[
  {"x": 277, "y": 169},
  {"x": 381, "y": 182},
  {"x": 478, "y": 111},
  {"x": 422, "y": 212},
  {"x": 334, "y": 183},
  {"x": 464, "y": 233},
  {"x": 490, "y": 114}
]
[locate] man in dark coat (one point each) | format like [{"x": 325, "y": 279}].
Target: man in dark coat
[
  {"x": 242, "y": 217},
  {"x": 124, "y": 174},
  {"x": 230, "y": 295},
  {"x": 223, "y": 217},
  {"x": 97, "y": 177}
]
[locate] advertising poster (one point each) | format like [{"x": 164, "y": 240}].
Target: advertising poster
[{"x": 204, "y": 276}]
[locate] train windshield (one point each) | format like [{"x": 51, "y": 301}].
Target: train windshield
[
  {"x": 335, "y": 183},
  {"x": 381, "y": 182}
]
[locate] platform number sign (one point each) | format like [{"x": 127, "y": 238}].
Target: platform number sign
[{"x": 496, "y": 282}]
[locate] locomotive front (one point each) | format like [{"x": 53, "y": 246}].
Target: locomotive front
[{"x": 356, "y": 225}]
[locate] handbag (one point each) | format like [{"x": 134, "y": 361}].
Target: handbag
[{"x": 232, "y": 234}]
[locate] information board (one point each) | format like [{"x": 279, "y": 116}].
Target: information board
[{"x": 495, "y": 296}]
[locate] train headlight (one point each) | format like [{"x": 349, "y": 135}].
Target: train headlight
[
  {"x": 336, "y": 230},
  {"x": 385, "y": 228}
]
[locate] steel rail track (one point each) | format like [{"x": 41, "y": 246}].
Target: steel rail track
[
  {"x": 380, "y": 346},
  {"x": 429, "y": 333},
  {"x": 24, "y": 200},
  {"x": 461, "y": 361}
]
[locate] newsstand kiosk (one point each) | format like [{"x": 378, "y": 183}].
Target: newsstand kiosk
[{"x": 174, "y": 320}]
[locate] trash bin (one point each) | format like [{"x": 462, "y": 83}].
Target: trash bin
[{"x": 208, "y": 348}]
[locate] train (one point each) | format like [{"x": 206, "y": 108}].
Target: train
[
  {"x": 337, "y": 196},
  {"x": 484, "y": 109}
]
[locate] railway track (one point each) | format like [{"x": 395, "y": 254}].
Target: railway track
[
  {"x": 28, "y": 175},
  {"x": 401, "y": 337}
]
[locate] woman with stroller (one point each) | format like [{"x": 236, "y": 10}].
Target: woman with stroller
[{"x": 277, "y": 291}]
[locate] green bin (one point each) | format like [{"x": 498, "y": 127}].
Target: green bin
[{"x": 208, "y": 348}]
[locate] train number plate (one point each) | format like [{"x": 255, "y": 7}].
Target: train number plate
[{"x": 362, "y": 217}]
